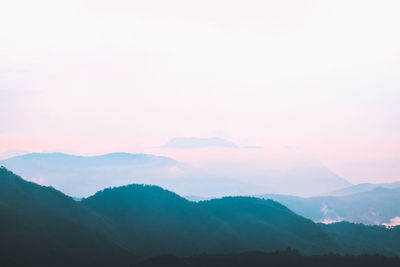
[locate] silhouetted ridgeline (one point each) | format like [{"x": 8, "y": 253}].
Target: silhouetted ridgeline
[{"x": 120, "y": 226}]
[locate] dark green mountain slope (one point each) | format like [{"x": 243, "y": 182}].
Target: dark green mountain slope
[
  {"x": 41, "y": 226},
  {"x": 359, "y": 238},
  {"x": 149, "y": 219},
  {"x": 267, "y": 225},
  {"x": 153, "y": 221}
]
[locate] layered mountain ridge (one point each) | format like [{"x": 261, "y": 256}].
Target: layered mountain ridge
[
  {"x": 118, "y": 226},
  {"x": 214, "y": 179}
]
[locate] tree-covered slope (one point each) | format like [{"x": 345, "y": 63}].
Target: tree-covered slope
[
  {"x": 41, "y": 226},
  {"x": 154, "y": 221},
  {"x": 118, "y": 226},
  {"x": 360, "y": 238}
]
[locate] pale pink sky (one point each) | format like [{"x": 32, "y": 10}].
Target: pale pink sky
[{"x": 102, "y": 76}]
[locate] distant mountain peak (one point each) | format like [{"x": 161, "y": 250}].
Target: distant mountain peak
[
  {"x": 113, "y": 155},
  {"x": 135, "y": 192},
  {"x": 195, "y": 142}
]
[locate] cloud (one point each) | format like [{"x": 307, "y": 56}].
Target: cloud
[
  {"x": 329, "y": 220},
  {"x": 138, "y": 70},
  {"x": 393, "y": 222},
  {"x": 324, "y": 209},
  {"x": 40, "y": 180},
  {"x": 329, "y": 215}
]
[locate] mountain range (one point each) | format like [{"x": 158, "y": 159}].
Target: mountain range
[
  {"x": 217, "y": 179},
  {"x": 360, "y": 188},
  {"x": 82, "y": 176},
  {"x": 93, "y": 173},
  {"x": 119, "y": 226},
  {"x": 378, "y": 206}
]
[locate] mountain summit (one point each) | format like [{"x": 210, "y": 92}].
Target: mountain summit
[{"x": 193, "y": 142}]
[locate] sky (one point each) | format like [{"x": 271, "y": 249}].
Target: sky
[{"x": 100, "y": 76}]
